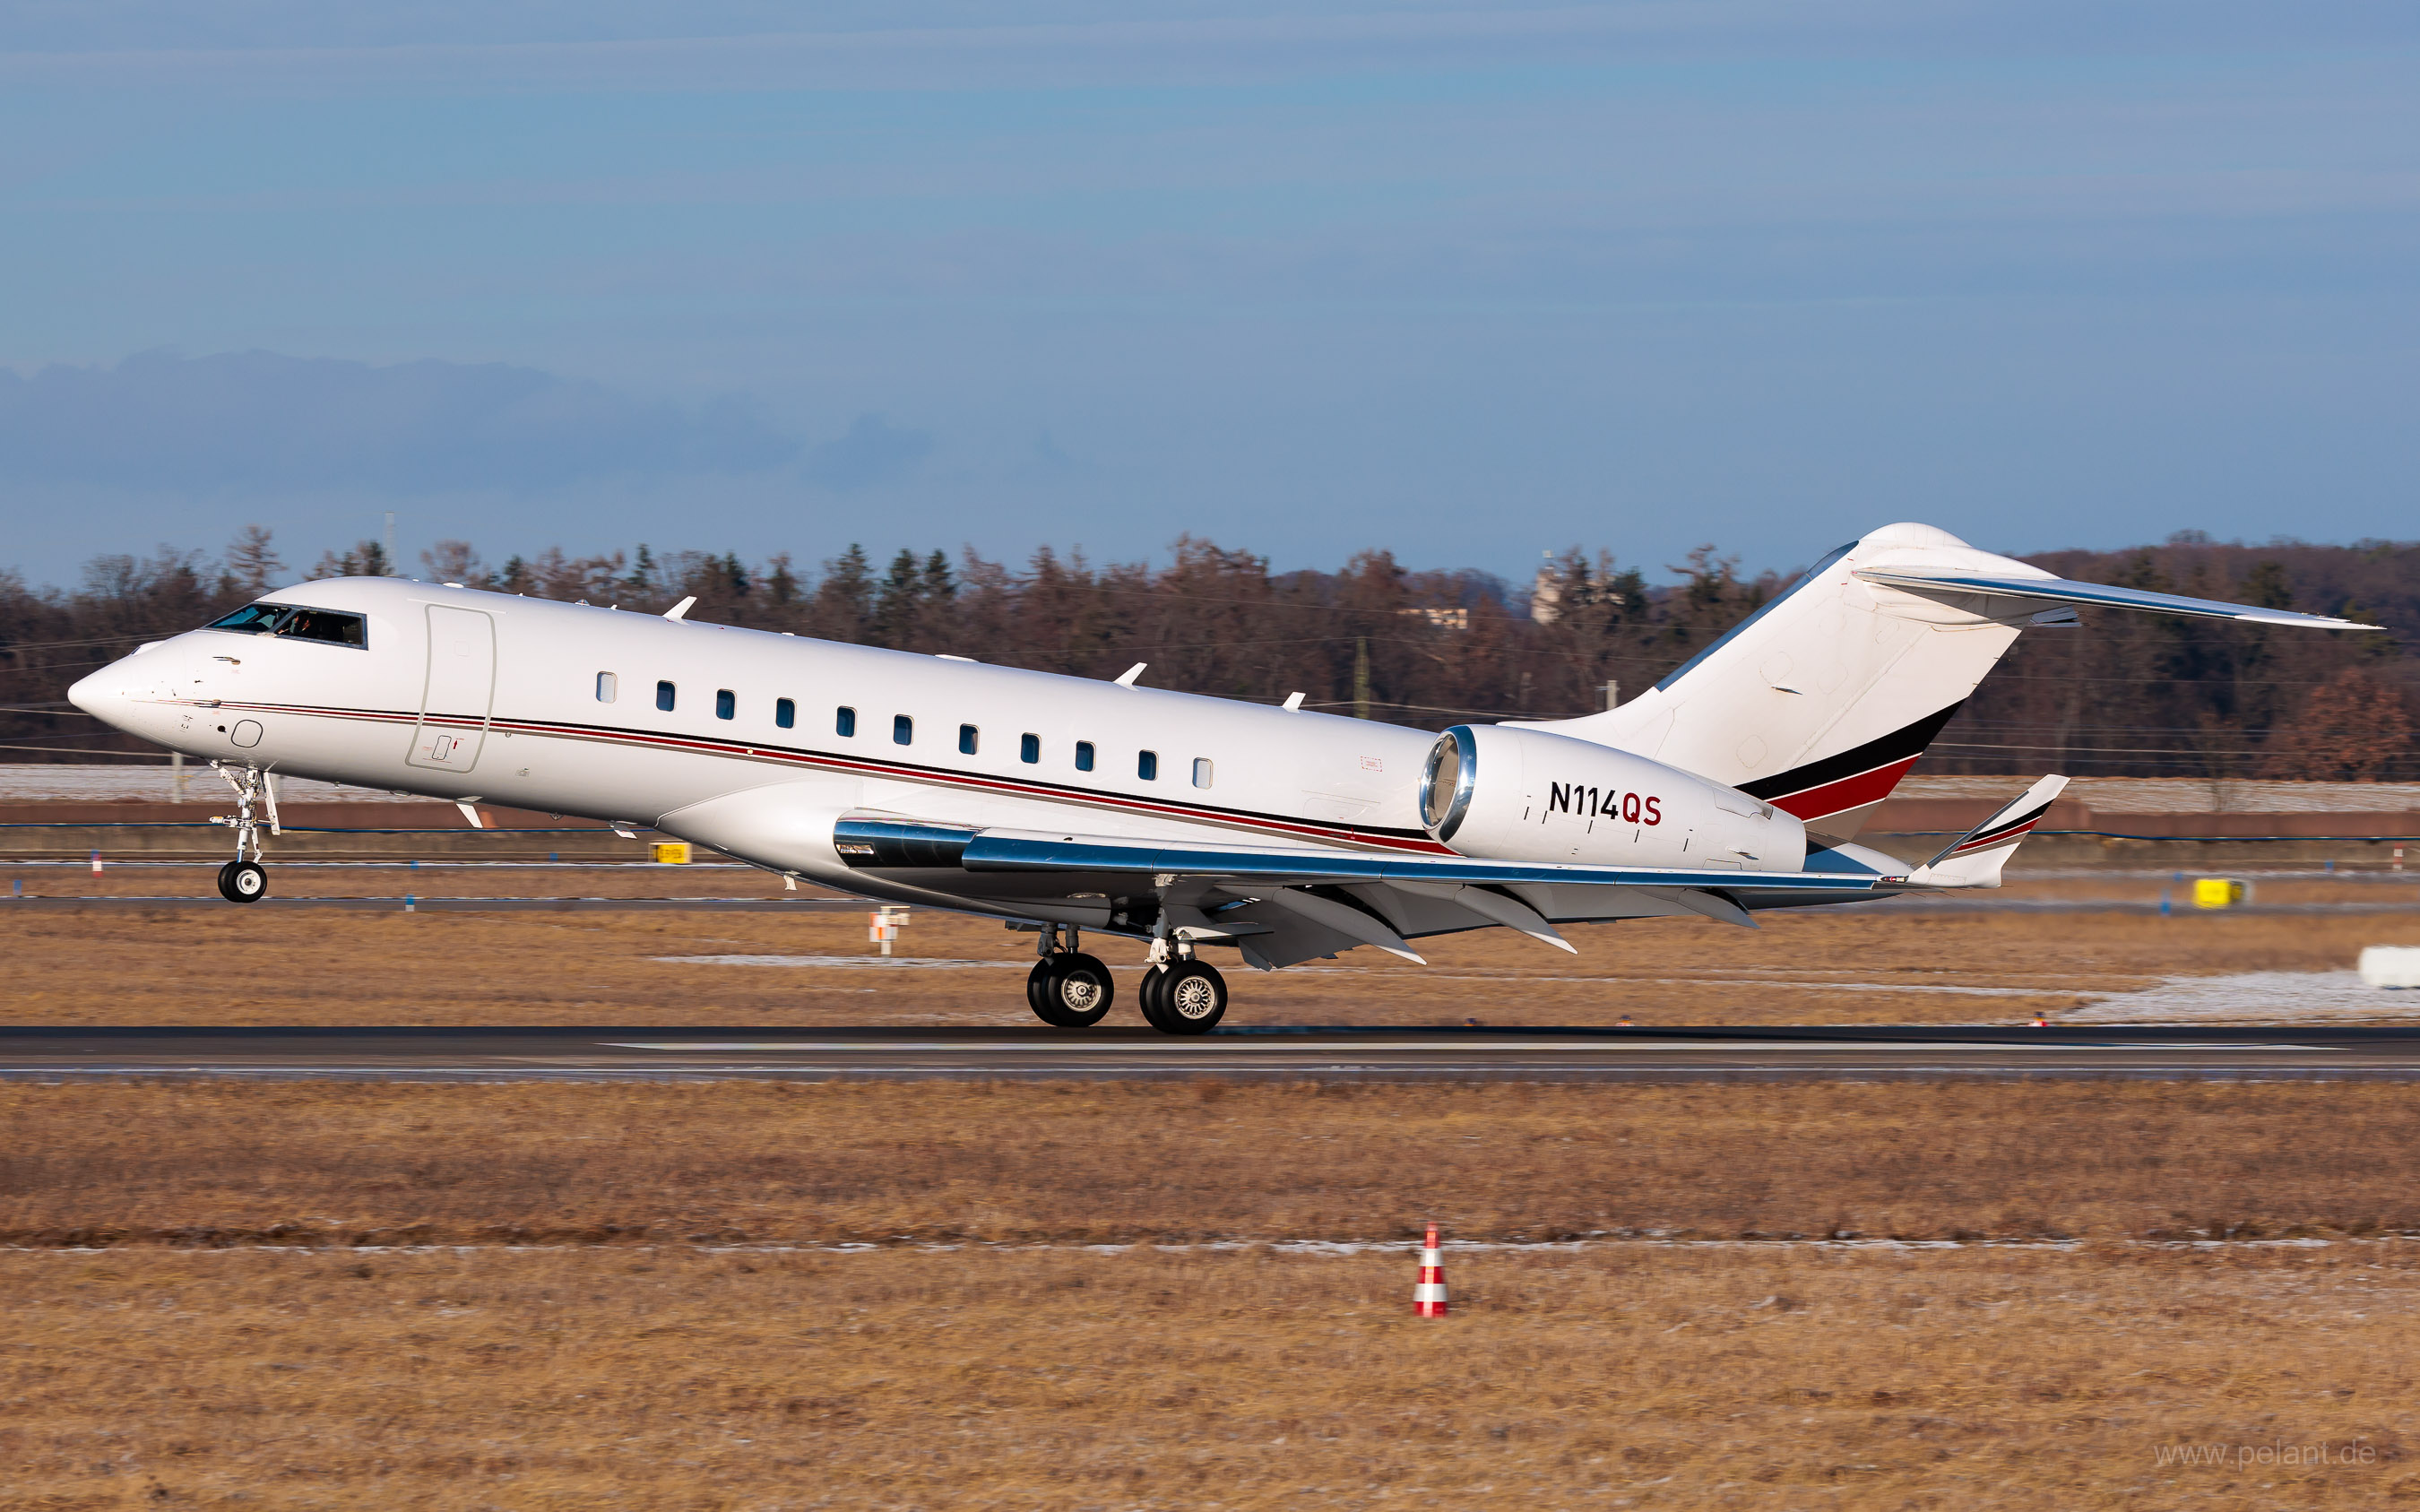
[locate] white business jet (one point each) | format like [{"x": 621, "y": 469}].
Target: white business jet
[{"x": 1060, "y": 803}]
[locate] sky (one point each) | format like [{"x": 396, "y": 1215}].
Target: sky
[{"x": 1466, "y": 285}]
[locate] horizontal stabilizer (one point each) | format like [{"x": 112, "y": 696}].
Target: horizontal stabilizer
[
  {"x": 2066, "y": 591},
  {"x": 1976, "y": 859}
]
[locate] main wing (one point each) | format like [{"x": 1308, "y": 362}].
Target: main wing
[{"x": 1281, "y": 905}]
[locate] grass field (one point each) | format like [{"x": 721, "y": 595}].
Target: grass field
[
  {"x": 1118, "y": 1162},
  {"x": 1116, "y": 1296},
  {"x": 1777, "y": 1378},
  {"x": 1882, "y": 962}
]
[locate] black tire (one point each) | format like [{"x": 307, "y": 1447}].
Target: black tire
[
  {"x": 1147, "y": 997},
  {"x": 1192, "y": 998},
  {"x": 243, "y": 882},
  {"x": 225, "y": 887},
  {"x": 1037, "y": 993},
  {"x": 1070, "y": 990}
]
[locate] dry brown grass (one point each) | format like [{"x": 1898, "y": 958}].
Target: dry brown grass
[
  {"x": 675, "y": 1331},
  {"x": 234, "y": 966},
  {"x": 1632, "y": 1377},
  {"x": 223, "y": 1162}
]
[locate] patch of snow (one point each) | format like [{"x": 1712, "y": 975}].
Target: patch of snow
[{"x": 2252, "y": 998}]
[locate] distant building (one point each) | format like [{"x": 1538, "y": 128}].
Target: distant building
[
  {"x": 1547, "y": 597},
  {"x": 1444, "y": 619}
]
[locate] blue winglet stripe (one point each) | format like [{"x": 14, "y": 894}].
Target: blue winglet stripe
[{"x": 1000, "y": 853}]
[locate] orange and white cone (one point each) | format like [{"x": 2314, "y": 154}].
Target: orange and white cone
[{"x": 1428, "y": 1298}]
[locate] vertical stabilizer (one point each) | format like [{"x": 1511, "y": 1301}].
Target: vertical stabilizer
[{"x": 1820, "y": 702}]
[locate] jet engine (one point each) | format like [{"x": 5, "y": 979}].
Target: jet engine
[{"x": 1517, "y": 794}]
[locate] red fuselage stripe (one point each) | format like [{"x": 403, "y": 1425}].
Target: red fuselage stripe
[{"x": 937, "y": 776}]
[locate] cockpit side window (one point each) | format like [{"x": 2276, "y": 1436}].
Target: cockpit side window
[
  {"x": 252, "y": 619},
  {"x": 328, "y": 627}
]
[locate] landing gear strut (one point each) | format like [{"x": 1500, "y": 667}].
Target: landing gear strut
[
  {"x": 1181, "y": 995},
  {"x": 1069, "y": 989},
  {"x": 244, "y": 879}
]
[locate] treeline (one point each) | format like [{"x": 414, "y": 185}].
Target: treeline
[{"x": 2123, "y": 695}]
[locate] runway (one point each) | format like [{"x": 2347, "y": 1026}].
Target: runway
[
  {"x": 395, "y": 903},
  {"x": 1662, "y": 1055}
]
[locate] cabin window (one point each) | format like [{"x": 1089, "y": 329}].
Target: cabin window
[
  {"x": 1029, "y": 748},
  {"x": 844, "y": 722},
  {"x": 1083, "y": 755},
  {"x": 607, "y": 687},
  {"x": 1147, "y": 765},
  {"x": 1201, "y": 772},
  {"x": 968, "y": 738},
  {"x": 726, "y": 704},
  {"x": 786, "y": 714},
  {"x": 903, "y": 729},
  {"x": 664, "y": 697}
]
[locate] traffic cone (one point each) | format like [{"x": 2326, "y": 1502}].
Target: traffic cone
[{"x": 1428, "y": 1298}]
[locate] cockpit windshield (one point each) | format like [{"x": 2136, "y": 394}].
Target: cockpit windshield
[{"x": 326, "y": 625}]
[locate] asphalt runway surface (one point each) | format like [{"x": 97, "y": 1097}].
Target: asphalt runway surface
[
  {"x": 624, "y": 1053},
  {"x": 855, "y": 905}
]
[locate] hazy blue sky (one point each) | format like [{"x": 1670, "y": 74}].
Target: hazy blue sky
[{"x": 1465, "y": 283}]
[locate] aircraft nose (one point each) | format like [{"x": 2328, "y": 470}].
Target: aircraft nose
[{"x": 102, "y": 694}]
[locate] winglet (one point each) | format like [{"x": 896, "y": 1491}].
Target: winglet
[
  {"x": 1127, "y": 678},
  {"x": 1293, "y": 704},
  {"x": 1976, "y": 859},
  {"x": 680, "y": 610}
]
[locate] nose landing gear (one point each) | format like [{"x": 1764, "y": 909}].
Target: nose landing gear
[{"x": 244, "y": 879}]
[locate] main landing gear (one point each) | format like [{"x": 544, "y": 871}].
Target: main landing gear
[
  {"x": 1184, "y": 996},
  {"x": 244, "y": 879},
  {"x": 1070, "y": 990}
]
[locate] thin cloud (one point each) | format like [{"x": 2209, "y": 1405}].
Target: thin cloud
[
  {"x": 258, "y": 420},
  {"x": 872, "y": 451}
]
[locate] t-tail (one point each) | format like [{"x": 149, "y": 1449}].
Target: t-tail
[
  {"x": 1975, "y": 861},
  {"x": 1820, "y": 702}
]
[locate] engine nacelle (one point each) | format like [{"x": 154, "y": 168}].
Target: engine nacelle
[{"x": 1526, "y": 796}]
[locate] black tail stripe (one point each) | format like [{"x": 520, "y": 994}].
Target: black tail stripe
[{"x": 1896, "y": 746}]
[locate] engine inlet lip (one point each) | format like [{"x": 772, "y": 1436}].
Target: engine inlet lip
[{"x": 1465, "y": 744}]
